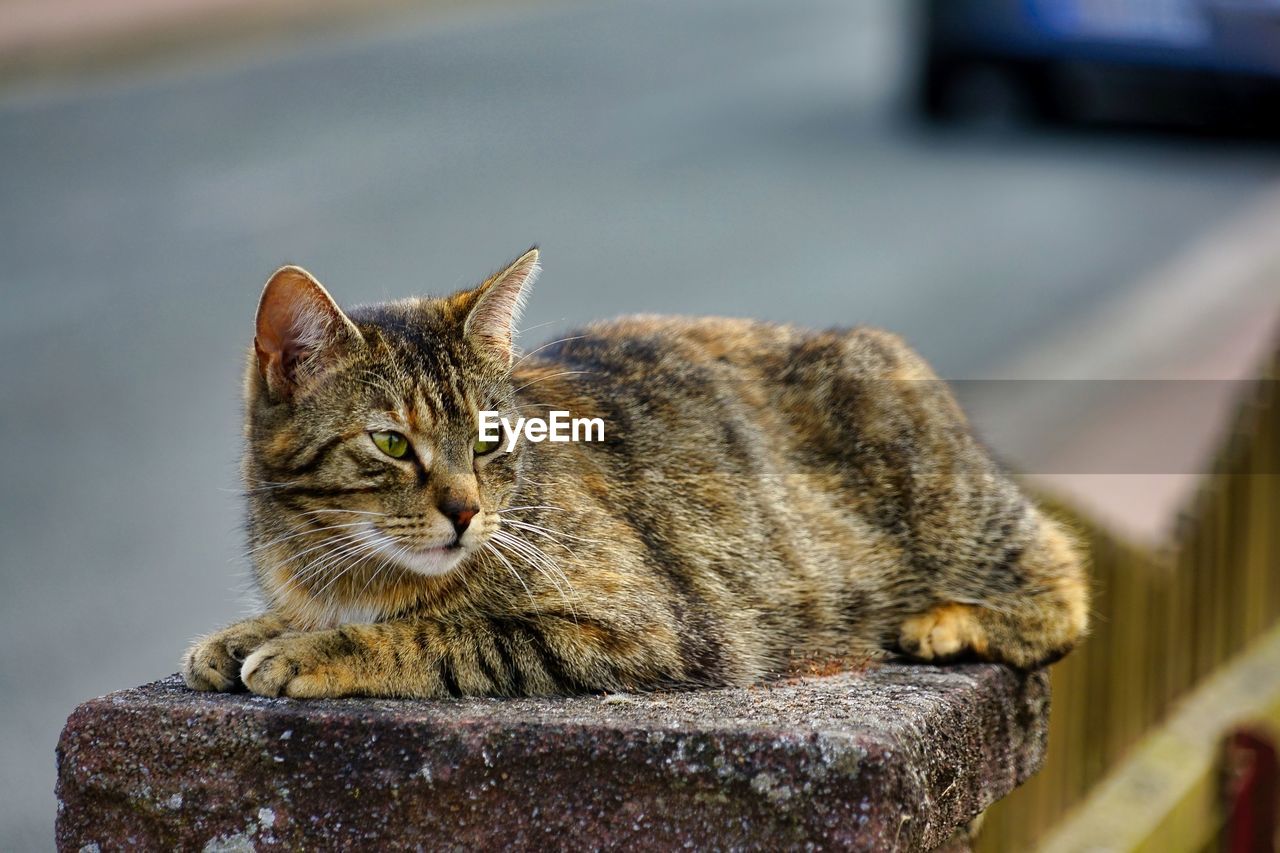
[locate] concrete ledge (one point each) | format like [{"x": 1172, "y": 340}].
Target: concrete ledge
[{"x": 897, "y": 757}]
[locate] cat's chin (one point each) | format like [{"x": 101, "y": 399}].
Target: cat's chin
[{"x": 431, "y": 561}]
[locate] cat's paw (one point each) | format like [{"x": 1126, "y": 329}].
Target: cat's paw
[
  {"x": 946, "y": 631},
  {"x": 213, "y": 662},
  {"x": 302, "y": 666},
  {"x": 208, "y": 665}
]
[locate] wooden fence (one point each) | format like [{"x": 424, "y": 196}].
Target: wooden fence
[{"x": 1162, "y": 620}]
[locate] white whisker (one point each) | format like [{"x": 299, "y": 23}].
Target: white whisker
[
  {"x": 547, "y": 533},
  {"x": 540, "y": 560},
  {"x": 352, "y": 511},
  {"x": 361, "y": 546},
  {"x": 491, "y": 547},
  {"x": 540, "y": 325},
  {"x": 531, "y": 506},
  {"x": 317, "y": 531},
  {"x": 532, "y": 353},
  {"x": 345, "y": 545},
  {"x": 552, "y": 376},
  {"x": 329, "y": 542}
]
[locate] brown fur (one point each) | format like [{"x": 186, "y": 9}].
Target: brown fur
[{"x": 763, "y": 494}]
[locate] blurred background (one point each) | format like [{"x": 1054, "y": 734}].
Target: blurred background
[{"x": 1043, "y": 197}]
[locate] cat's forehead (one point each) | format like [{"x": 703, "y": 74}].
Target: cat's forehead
[
  {"x": 416, "y": 411},
  {"x": 411, "y": 325},
  {"x": 417, "y": 364},
  {"x": 415, "y": 387},
  {"x": 411, "y": 337}
]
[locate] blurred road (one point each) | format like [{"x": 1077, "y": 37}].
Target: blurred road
[{"x": 731, "y": 156}]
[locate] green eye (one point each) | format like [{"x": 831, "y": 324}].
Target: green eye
[
  {"x": 393, "y": 444},
  {"x": 481, "y": 447}
]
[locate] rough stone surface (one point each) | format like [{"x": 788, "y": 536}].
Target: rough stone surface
[{"x": 896, "y": 757}]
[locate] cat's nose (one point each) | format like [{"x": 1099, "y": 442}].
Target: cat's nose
[{"x": 459, "y": 513}]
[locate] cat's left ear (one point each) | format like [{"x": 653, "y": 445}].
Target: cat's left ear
[{"x": 491, "y": 322}]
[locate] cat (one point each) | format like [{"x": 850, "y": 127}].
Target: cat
[{"x": 762, "y": 493}]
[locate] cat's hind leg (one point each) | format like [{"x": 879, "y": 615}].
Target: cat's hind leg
[{"x": 1033, "y": 624}]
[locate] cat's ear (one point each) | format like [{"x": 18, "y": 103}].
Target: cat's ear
[
  {"x": 491, "y": 321},
  {"x": 298, "y": 325}
]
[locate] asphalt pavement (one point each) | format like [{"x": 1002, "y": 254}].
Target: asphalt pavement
[{"x": 732, "y": 157}]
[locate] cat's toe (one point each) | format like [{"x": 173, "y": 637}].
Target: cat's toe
[
  {"x": 240, "y": 647},
  {"x": 944, "y": 632},
  {"x": 208, "y": 666},
  {"x": 301, "y": 666},
  {"x": 270, "y": 668}
]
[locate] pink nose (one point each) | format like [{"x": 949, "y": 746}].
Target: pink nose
[{"x": 459, "y": 514}]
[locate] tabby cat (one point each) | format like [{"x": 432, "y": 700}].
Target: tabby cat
[{"x": 762, "y": 493}]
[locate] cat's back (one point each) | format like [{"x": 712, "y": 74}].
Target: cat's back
[
  {"x": 744, "y": 388},
  {"x": 662, "y": 348}
]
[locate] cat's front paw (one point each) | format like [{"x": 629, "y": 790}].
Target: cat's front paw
[
  {"x": 208, "y": 665},
  {"x": 301, "y": 666},
  {"x": 213, "y": 662}
]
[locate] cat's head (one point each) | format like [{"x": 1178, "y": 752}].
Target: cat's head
[{"x": 363, "y": 456}]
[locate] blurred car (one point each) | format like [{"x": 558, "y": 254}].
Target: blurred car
[{"x": 1208, "y": 64}]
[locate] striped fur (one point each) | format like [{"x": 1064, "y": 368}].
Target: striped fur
[{"x": 763, "y": 493}]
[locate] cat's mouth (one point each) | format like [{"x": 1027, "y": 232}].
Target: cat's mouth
[
  {"x": 424, "y": 558},
  {"x": 455, "y": 545}
]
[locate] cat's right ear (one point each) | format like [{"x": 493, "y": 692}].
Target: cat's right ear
[{"x": 298, "y": 325}]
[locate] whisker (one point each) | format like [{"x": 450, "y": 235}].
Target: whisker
[
  {"x": 541, "y": 561},
  {"x": 552, "y": 376},
  {"x": 555, "y": 542},
  {"x": 319, "y": 564},
  {"x": 519, "y": 554},
  {"x": 540, "y": 556},
  {"x": 317, "y": 531},
  {"x": 532, "y": 353},
  {"x": 269, "y": 484},
  {"x": 360, "y": 546},
  {"x": 491, "y": 547},
  {"x": 353, "y": 511},
  {"x": 242, "y": 490},
  {"x": 540, "y": 325},
  {"x": 385, "y": 562},
  {"x": 547, "y": 532},
  {"x": 329, "y": 541},
  {"x": 381, "y": 564},
  {"x": 532, "y": 506}
]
